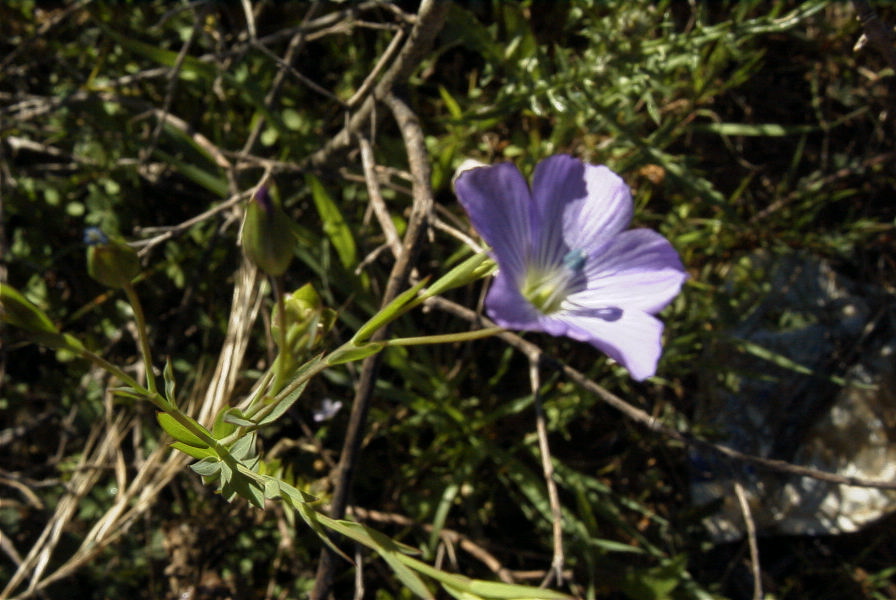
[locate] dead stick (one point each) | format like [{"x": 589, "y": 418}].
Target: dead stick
[{"x": 416, "y": 228}]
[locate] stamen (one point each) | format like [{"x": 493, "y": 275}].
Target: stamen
[
  {"x": 575, "y": 260},
  {"x": 548, "y": 288}
]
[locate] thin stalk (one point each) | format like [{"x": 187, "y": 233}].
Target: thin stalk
[
  {"x": 153, "y": 395},
  {"x": 284, "y": 360},
  {"x": 445, "y": 338},
  {"x": 155, "y": 399},
  {"x": 113, "y": 369},
  {"x": 142, "y": 336}
]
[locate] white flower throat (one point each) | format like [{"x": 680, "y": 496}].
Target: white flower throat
[{"x": 546, "y": 287}]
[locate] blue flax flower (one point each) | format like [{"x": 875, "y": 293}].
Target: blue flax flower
[{"x": 566, "y": 264}]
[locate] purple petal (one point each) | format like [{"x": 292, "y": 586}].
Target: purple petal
[
  {"x": 558, "y": 182},
  {"x": 637, "y": 269},
  {"x": 507, "y": 307},
  {"x": 497, "y": 200},
  {"x": 577, "y": 205},
  {"x": 633, "y": 338}
]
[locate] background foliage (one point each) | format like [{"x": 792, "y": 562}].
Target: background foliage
[{"x": 741, "y": 126}]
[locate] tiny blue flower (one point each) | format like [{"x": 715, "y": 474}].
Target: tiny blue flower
[
  {"x": 566, "y": 264},
  {"x": 94, "y": 236},
  {"x": 327, "y": 410}
]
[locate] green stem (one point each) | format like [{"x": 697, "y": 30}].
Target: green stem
[
  {"x": 142, "y": 336},
  {"x": 298, "y": 381},
  {"x": 156, "y": 399},
  {"x": 193, "y": 427},
  {"x": 113, "y": 369},
  {"x": 285, "y": 357},
  {"x": 445, "y": 338}
]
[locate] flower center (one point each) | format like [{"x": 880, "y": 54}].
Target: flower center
[{"x": 547, "y": 287}]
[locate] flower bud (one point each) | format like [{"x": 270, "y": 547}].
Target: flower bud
[
  {"x": 111, "y": 262},
  {"x": 308, "y": 320},
  {"x": 267, "y": 239},
  {"x": 17, "y": 310}
]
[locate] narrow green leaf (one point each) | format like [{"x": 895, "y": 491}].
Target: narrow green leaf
[
  {"x": 442, "y": 510},
  {"x": 244, "y": 487},
  {"x": 17, "y": 310},
  {"x": 293, "y": 494},
  {"x": 283, "y": 402},
  {"x": 755, "y": 130},
  {"x": 222, "y": 428},
  {"x": 784, "y": 362},
  {"x": 255, "y": 495},
  {"x": 213, "y": 183},
  {"x": 198, "y": 453},
  {"x": 235, "y": 416},
  {"x": 312, "y": 519},
  {"x": 346, "y": 355},
  {"x": 450, "y": 103},
  {"x": 507, "y": 591},
  {"x": 226, "y": 472},
  {"x": 477, "y": 588},
  {"x": 407, "y": 576},
  {"x": 190, "y": 67},
  {"x": 170, "y": 383},
  {"x": 365, "y": 535},
  {"x": 459, "y": 594},
  {"x": 271, "y": 488},
  {"x": 334, "y": 224},
  {"x": 207, "y": 467},
  {"x": 180, "y": 433},
  {"x": 283, "y": 405},
  {"x": 388, "y": 313},
  {"x": 244, "y": 447},
  {"x": 128, "y": 392},
  {"x": 469, "y": 270},
  {"x": 391, "y": 551}
]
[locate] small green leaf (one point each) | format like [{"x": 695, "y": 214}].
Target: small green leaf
[
  {"x": 391, "y": 551},
  {"x": 244, "y": 487},
  {"x": 451, "y": 104},
  {"x": 198, "y": 453},
  {"x": 214, "y": 183},
  {"x": 469, "y": 270},
  {"x": 179, "y": 432},
  {"x": 222, "y": 428},
  {"x": 507, "y": 591},
  {"x": 283, "y": 405},
  {"x": 244, "y": 447},
  {"x": 170, "y": 383},
  {"x": 654, "y": 582},
  {"x": 271, "y": 488},
  {"x": 207, "y": 467},
  {"x": 345, "y": 355},
  {"x": 226, "y": 473},
  {"x": 388, "y": 313},
  {"x": 279, "y": 405},
  {"x": 235, "y": 416},
  {"x": 293, "y": 494},
  {"x": 313, "y": 519},
  {"x": 17, "y": 310},
  {"x": 128, "y": 392}
]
